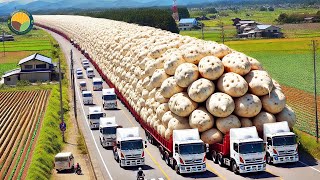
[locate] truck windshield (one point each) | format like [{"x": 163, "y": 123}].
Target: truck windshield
[
  {"x": 83, "y": 85},
  {"x": 87, "y": 95},
  {"x": 195, "y": 148},
  {"x": 96, "y": 116},
  {"x": 61, "y": 159},
  {"x": 252, "y": 147},
  {"x": 97, "y": 83},
  {"x": 109, "y": 130},
  {"x": 109, "y": 97},
  {"x": 131, "y": 145},
  {"x": 284, "y": 140},
  {"x": 79, "y": 72}
]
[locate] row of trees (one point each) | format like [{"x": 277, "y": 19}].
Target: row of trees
[
  {"x": 297, "y": 18},
  {"x": 154, "y": 17}
]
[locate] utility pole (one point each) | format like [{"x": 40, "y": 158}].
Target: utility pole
[
  {"x": 314, "y": 49},
  {"x": 4, "y": 48},
  {"x": 202, "y": 30},
  {"x": 61, "y": 103},
  {"x": 73, "y": 85}
]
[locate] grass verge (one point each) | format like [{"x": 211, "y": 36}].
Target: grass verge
[
  {"x": 81, "y": 144},
  {"x": 308, "y": 143}
]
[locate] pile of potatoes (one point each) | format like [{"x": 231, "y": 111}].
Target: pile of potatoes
[{"x": 179, "y": 82}]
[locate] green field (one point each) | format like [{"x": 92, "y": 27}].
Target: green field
[{"x": 36, "y": 41}]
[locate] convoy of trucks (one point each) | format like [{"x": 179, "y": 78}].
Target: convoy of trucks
[
  {"x": 95, "y": 113},
  {"x": 281, "y": 143},
  {"x": 108, "y": 128},
  {"x": 129, "y": 149},
  {"x": 242, "y": 150},
  {"x": 109, "y": 99}
]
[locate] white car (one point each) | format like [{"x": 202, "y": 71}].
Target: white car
[{"x": 79, "y": 73}]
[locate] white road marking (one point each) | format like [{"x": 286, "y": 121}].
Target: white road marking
[
  {"x": 104, "y": 164},
  {"x": 309, "y": 166}
]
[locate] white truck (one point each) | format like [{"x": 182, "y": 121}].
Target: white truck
[
  {"x": 79, "y": 73},
  {"x": 97, "y": 84},
  {"x": 90, "y": 72},
  {"x": 129, "y": 148},
  {"x": 83, "y": 86},
  {"x": 109, "y": 99},
  {"x": 85, "y": 63},
  {"x": 242, "y": 150},
  {"x": 281, "y": 146},
  {"x": 87, "y": 97},
  {"x": 189, "y": 152},
  {"x": 95, "y": 113},
  {"x": 108, "y": 128}
]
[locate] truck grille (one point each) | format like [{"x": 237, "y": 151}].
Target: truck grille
[
  {"x": 286, "y": 153},
  {"x": 194, "y": 161},
  {"x": 254, "y": 161},
  {"x": 133, "y": 156}
]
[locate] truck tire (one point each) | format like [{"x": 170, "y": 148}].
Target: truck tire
[
  {"x": 120, "y": 163},
  {"x": 161, "y": 152},
  {"x": 173, "y": 164},
  {"x": 214, "y": 157},
  {"x": 220, "y": 160},
  {"x": 269, "y": 159},
  {"x": 166, "y": 158},
  {"x": 176, "y": 168},
  {"x": 234, "y": 167}
]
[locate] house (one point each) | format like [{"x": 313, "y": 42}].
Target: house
[
  {"x": 202, "y": 18},
  {"x": 268, "y": 31},
  {"x": 309, "y": 19},
  {"x": 243, "y": 24},
  {"x": 33, "y": 68},
  {"x": 6, "y": 37},
  {"x": 188, "y": 24}
]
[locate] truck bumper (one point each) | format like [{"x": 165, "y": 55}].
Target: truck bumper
[
  {"x": 252, "y": 168},
  {"x": 132, "y": 162},
  {"x": 285, "y": 159},
  {"x": 110, "y": 106},
  {"x": 108, "y": 143},
  {"x": 193, "y": 168},
  {"x": 94, "y": 126},
  {"x": 87, "y": 102}
]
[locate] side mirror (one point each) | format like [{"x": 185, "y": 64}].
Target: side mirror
[
  {"x": 118, "y": 145},
  {"x": 145, "y": 142},
  {"x": 104, "y": 114},
  {"x": 176, "y": 148},
  {"x": 207, "y": 148},
  {"x": 88, "y": 116},
  {"x": 120, "y": 127},
  {"x": 145, "y": 146}
]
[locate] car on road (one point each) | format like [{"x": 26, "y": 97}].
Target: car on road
[
  {"x": 64, "y": 161},
  {"x": 87, "y": 97}
]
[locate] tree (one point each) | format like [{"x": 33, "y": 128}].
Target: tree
[
  {"x": 282, "y": 18},
  {"x": 271, "y": 8},
  {"x": 183, "y": 12},
  {"x": 211, "y": 10},
  {"x": 262, "y": 8}
]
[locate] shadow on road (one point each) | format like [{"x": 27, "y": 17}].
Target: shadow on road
[
  {"x": 259, "y": 175},
  {"x": 144, "y": 167},
  {"x": 207, "y": 174}
]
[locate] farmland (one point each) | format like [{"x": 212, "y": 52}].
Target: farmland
[{"x": 21, "y": 116}]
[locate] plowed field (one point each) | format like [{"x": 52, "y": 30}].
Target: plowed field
[{"x": 21, "y": 113}]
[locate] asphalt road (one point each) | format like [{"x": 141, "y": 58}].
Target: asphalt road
[{"x": 107, "y": 168}]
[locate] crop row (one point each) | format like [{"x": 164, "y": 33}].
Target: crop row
[{"x": 20, "y": 115}]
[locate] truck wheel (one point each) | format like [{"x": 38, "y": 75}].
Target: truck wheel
[
  {"x": 120, "y": 163},
  {"x": 234, "y": 167},
  {"x": 173, "y": 166},
  {"x": 161, "y": 152},
  {"x": 269, "y": 159},
  {"x": 214, "y": 157},
  {"x": 100, "y": 141},
  {"x": 176, "y": 168},
  {"x": 220, "y": 160},
  {"x": 166, "y": 159}
]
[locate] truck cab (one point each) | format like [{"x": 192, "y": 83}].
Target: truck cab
[
  {"x": 129, "y": 149},
  {"x": 281, "y": 146},
  {"x": 83, "y": 86},
  {"x": 79, "y": 73},
  {"x": 90, "y": 72},
  {"x": 97, "y": 84},
  {"x": 95, "y": 113},
  {"x": 242, "y": 150},
  {"x": 108, "y": 129},
  {"x": 85, "y": 63},
  {"x": 109, "y": 98},
  {"x": 87, "y": 97},
  {"x": 189, "y": 152}
]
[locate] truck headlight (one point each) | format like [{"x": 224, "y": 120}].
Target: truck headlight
[
  {"x": 241, "y": 167},
  {"x": 275, "y": 157},
  {"x": 182, "y": 168}
]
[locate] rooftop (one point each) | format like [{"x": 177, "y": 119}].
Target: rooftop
[
  {"x": 12, "y": 72},
  {"x": 188, "y": 20},
  {"x": 262, "y": 27},
  {"x": 36, "y": 56}
]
